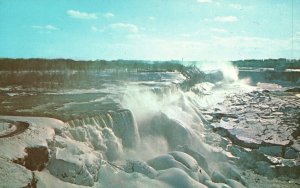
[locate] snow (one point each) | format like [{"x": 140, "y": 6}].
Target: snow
[
  {"x": 46, "y": 180},
  {"x": 39, "y": 131},
  {"x": 177, "y": 178},
  {"x": 12, "y": 175},
  {"x": 114, "y": 178},
  {"x": 6, "y": 127}
]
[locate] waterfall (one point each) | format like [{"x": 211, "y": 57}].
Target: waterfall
[{"x": 121, "y": 122}]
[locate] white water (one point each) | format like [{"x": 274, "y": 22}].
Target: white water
[{"x": 230, "y": 73}]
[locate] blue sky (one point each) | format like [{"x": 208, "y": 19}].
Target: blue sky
[{"x": 150, "y": 29}]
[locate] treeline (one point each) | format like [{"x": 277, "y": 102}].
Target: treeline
[
  {"x": 97, "y": 65},
  {"x": 66, "y": 73},
  {"x": 37, "y": 64},
  {"x": 279, "y": 64}
]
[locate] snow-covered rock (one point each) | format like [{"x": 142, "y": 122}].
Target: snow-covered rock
[{"x": 74, "y": 162}]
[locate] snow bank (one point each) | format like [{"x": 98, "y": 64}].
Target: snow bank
[
  {"x": 22, "y": 148},
  {"x": 36, "y": 135},
  {"x": 12, "y": 175}
]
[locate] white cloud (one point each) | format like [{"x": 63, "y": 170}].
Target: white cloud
[
  {"x": 214, "y": 48},
  {"x": 240, "y": 41},
  {"x": 98, "y": 29},
  {"x": 51, "y": 27},
  {"x": 136, "y": 36},
  {"x": 81, "y": 15},
  {"x": 226, "y": 19},
  {"x": 248, "y": 42},
  {"x": 37, "y": 27},
  {"x": 151, "y": 18},
  {"x": 185, "y": 35},
  {"x": 94, "y": 28},
  {"x": 218, "y": 30},
  {"x": 125, "y": 26},
  {"x": 45, "y": 27},
  {"x": 235, "y": 6},
  {"x": 108, "y": 15},
  {"x": 131, "y": 28},
  {"x": 204, "y": 1}
]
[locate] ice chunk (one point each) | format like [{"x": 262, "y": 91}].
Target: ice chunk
[
  {"x": 177, "y": 178},
  {"x": 185, "y": 159},
  {"x": 201, "y": 160},
  {"x": 140, "y": 167},
  {"x": 183, "y": 162},
  {"x": 74, "y": 162}
]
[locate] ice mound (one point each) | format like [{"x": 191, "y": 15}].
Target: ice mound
[
  {"x": 191, "y": 173},
  {"x": 177, "y": 178},
  {"x": 201, "y": 160},
  {"x": 112, "y": 177},
  {"x": 172, "y": 130},
  {"x": 140, "y": 167},
  {"x": 176, "y": 169},
  {"x": 181, "y": 161},
  {"x": 74, "y": 162}
]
